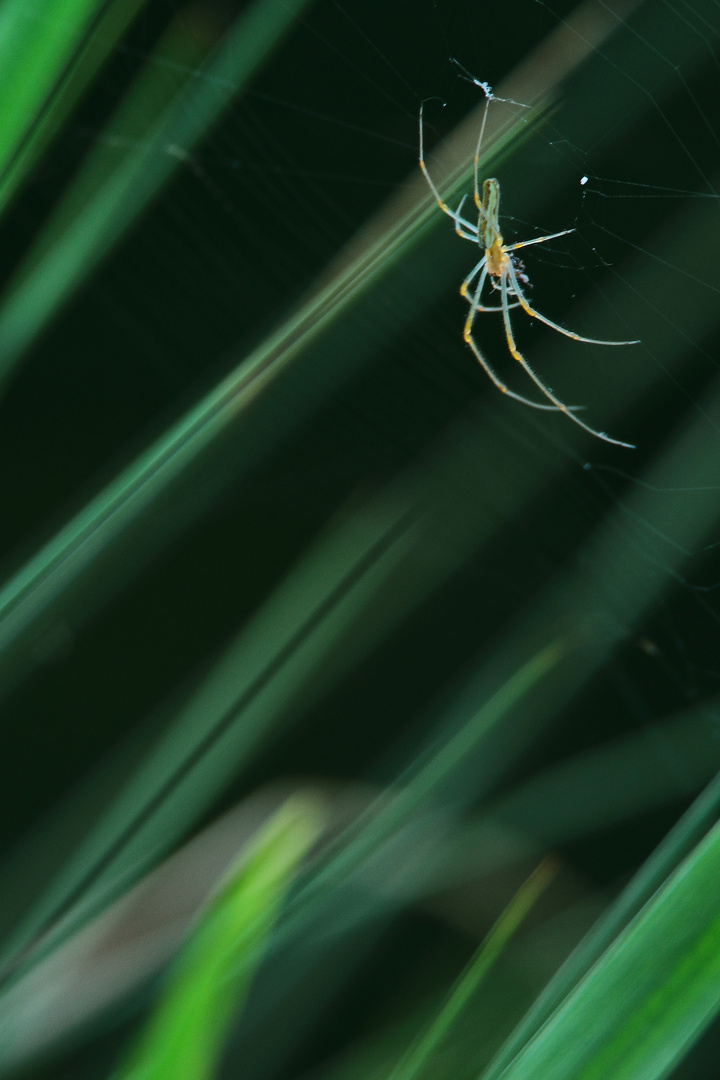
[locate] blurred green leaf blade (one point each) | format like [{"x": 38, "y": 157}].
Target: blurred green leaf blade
[
  {"x": 212, "y": 974},
  {"x": 652, "y": 993},
  {"x": 36, "y": 42},
  {"x": 415, "y": 1060},
  {"x": 113, "y": 189},
  {"x": 45, "y": 72}
]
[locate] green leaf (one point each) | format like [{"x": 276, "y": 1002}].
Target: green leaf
[
  {"x": 413, "y": 1062},
  {"x": 37, "y": 42},
  {"x": 212, "y": 974},
  {"x": 651, "y": 994},
  {"x": 50, "y": 51},
  {"x": 116, "y": 184}
]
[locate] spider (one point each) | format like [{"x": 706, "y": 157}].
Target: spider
[{"x": 500, "y": 264}]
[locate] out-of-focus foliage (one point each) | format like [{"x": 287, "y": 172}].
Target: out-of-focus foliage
[
  {"x": 266, "y": 526},
  {"x": 211, "y": 977}
]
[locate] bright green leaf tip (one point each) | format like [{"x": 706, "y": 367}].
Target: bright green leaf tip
[{"x": 212, "y": 974}]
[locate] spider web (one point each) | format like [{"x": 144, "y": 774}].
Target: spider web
[{"x": 534, "y": 534}]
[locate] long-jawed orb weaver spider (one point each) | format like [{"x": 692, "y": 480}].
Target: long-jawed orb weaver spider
[{"x": 500, "y": 265}]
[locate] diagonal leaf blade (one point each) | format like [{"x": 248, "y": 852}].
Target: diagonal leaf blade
[
  {"x": 184, "y": 1036},
  {"x": 651, "y": 994}
]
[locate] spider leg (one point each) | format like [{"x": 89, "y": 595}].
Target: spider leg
[
  {"x": 537, "y": 240},
  {"x": 465, "y": 287},
  {"x": 469, "y": 340},
  {"x": 475, "y": 297},
  {"x": 476, "y": 161},
  {"x": 557, "y": 404},
  {"x": 517, "y": 289},
  {"x": 484, "y": 309},
  {"x": 471, "y": 231},
  {"x": 460, "y": 222}
]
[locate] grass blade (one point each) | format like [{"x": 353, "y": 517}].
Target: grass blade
[
  {"x": 104, "y": 201},
  {"x": 650, "y": 995},
  {"x": 501, "y": 933},
  {"x": 37, "y": 41},
  {"x": 184, "y": 1036}
]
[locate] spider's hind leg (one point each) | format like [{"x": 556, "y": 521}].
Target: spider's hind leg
[{"x": 569, "y": 410}]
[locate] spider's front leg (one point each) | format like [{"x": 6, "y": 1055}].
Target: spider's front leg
[
  {"x": 470, "y": 231},
  {"x": 463, "y": 228}
]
